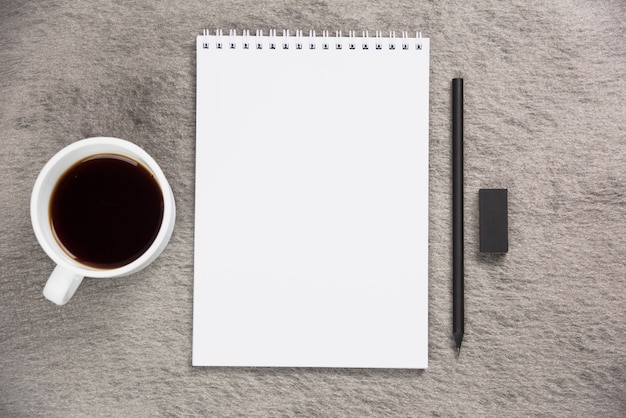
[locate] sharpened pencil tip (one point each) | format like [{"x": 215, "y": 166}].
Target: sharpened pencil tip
[{"x": 458, "y": 340}]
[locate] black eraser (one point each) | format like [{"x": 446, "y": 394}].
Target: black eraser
[{"x": 494, "y": 222}]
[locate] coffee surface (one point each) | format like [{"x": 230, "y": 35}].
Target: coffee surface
[{"x": 106, "y": 210}]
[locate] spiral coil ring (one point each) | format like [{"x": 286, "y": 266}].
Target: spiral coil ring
[{"x": 299, "y": 41}]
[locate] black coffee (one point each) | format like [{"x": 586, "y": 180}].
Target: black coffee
[{"x": 106, "y": 210}]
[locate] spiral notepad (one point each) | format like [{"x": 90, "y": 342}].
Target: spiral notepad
[{"x": 311, "y": 221}]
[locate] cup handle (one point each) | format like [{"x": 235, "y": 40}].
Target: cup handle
[{"x": 61, "y": 285}]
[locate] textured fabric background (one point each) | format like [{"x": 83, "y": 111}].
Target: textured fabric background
[{"x": 545, "y": 117}]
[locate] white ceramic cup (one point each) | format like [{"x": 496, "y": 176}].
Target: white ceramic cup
[{"x": 68, "y": 273}]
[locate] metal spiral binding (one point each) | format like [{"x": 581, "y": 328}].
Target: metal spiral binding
[{"x": 299, "y": 41}]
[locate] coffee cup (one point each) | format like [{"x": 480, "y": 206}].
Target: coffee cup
[{"x": 102, "y": 208}]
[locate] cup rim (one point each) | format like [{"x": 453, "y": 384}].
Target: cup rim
[{"x": 58, "y": 255}]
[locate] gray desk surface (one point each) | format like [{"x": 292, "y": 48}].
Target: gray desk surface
[{"x": 545, "y": 118}]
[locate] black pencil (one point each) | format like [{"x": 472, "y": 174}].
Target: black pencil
[{"x": 458, "y": 309}]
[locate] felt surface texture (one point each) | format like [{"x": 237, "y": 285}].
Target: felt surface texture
[{"x": 545, "y": 118}]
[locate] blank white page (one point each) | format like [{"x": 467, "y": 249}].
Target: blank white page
[{"x": 311, "y": 222}]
